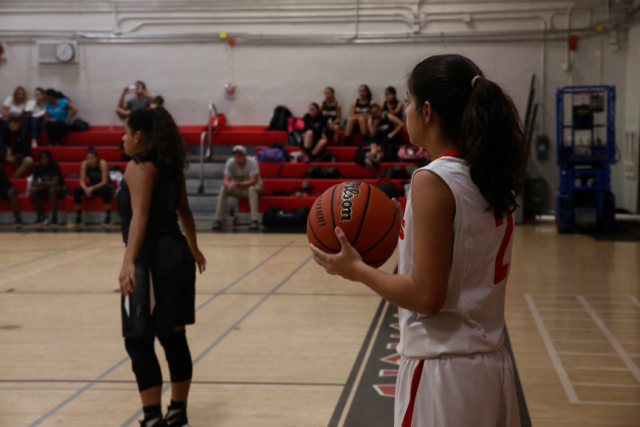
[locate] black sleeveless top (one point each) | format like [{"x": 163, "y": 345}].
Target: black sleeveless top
[
  {"x": 385, "y": 107},
  {"x": 385, "y": 124},
  {"x": 94, "y": 174},
  {"x": 163, "y": 218},
  {"x": 362, "y": 108},
  {"x": 330, "y": 113}
]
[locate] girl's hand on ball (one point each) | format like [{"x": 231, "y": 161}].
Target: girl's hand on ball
[
  {"x": 344, "y": 263},
  {"x": 398, "y": 207}
]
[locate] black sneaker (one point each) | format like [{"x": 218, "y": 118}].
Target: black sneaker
[
  {"x": 41, "y": 219},
  {"x": 18, "y": 224},
  {"x": 158, "y": 422},
  {"x": 54, "y": 220},
  {"x": 176, "y": 418},
  {"x": 79, "y": 222},
  {"x": 217, "y": 225},
  {"x": 107, "y": 221},
  {"x": 255, "y": 225}
]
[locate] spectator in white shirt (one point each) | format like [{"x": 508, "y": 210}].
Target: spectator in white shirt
[
  {"x": 34, "y": 116},
  {"x": 14, "y": 105}
]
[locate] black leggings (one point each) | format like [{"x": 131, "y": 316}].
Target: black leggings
[
  {"x": 145, "y": 362},
  {"x": 55, "y": 130},
  {"x": 102, "y": 192}
]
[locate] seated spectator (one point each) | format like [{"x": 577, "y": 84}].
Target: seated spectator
[
  {"x": 94, "y": 182},
  {"x": 391, "y": 104},
  {"x": 141, "y": 100},
  {"x": 48, "y": 183},
  {"x": 332, "y": 112},
  {"x": 158, "y": 101},
  {"x": 314, "y": 140},
  {"x": 15, "y": 148},
  {"x": 241, "y": 180},
  {"x": 384, "y": 139},
  {"x": 34, "y": 116},
  {"x": 360, "y": 112},
  {"x": 14, "y": 105},
  {"x": 8, "y": 192},
  {"x": 60, "y": 112}
]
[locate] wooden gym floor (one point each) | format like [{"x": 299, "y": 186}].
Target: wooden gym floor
[{"x": 276, "y": 339}]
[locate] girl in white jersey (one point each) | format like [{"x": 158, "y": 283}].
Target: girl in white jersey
[{"x": 454, "y": 251}]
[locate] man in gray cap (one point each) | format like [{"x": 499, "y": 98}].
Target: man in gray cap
[{"x": 241, "y": 180}]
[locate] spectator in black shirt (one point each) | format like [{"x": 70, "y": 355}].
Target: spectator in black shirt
[
  {"x": 47, "y": 183},
  {"x": 15, "y": 147},
  {"x": 314, "y": 139},
  {"x": 8, "y": 192}
]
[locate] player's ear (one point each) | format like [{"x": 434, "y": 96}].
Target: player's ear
[
  {"x": 137, "y": 137},
  {"x": 427, "y": 112}
]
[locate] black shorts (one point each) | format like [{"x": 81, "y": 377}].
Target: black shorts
[
  {"x": 165, "y": 293},
  {"x": 44, "y": 194}
]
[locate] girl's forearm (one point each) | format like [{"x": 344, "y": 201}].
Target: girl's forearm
[{"x": 137, "y": 230}]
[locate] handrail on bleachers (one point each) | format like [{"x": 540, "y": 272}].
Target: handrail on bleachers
[{"x": 213, "y": 112}]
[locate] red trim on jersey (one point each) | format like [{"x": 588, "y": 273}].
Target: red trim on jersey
[
  {"x": 454, "y": 153},
  {"x": 415, "y": 381}
]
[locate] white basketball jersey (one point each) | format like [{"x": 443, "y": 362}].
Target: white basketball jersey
[{"x": 472, "y": 318}]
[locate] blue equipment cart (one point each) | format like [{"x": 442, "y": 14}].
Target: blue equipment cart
[{"x": 585, "y": 131}]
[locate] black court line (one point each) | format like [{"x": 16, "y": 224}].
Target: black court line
[
  {"x": 200, "y": 382},
  {"x": 370, "y": 409},
  {"x": 227, "y": 332},
  {"x": 118, "y": 364},
  {"x": 45, "y": 256},
  {"x": 342, "y": 401}
]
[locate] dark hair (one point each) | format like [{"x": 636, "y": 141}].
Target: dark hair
[
  {"x": 482, "y": 122},
  {"x": 392, "y": 90},
  {"x": 159, "y": 101},
  {"x": 45, "y": 153},
  {"x": 144, "y": 86},
  {"x": 14, "y": 118},
  {"x": 368, "y": 92},
  {"x": 164, "y": 144},
  {"x": 315, "y": 104},
  {"x": 55, "y": 94},
  {"x": 331, "y": 89},
  {"x": 41, "y": 90},
  {"x": 92, "y": 150}
]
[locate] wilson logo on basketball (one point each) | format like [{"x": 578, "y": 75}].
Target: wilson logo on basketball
[
  {"x": 349, "y": 191},
  {"x": 319, "y": 214}
]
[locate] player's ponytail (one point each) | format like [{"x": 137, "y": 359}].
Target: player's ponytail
[{"x": 480, "y": 119}]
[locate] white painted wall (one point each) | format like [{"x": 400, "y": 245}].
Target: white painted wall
[
  {"x": 190, "y": 75},
  {"x": 630, "y": 147}
]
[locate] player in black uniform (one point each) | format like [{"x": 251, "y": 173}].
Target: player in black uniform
[
  {"x": 94, "y": 182},
  {"x": 384, "y": 139},
  {"x": 48, "y": 184},
  {"x": 360, "y": 112},
  {"x": 391, "y": 104},
  {"x": 332, "y": 112},
  {"x": 157, "y": 279}
]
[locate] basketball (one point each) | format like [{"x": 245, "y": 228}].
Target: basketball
[{"x": 365, "y": 214}]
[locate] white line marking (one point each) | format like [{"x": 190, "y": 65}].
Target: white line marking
[
  {"x": 356, "y": 383},
  {"x": 55, "y": 264},
  {"x": 635, "y": 301},
  {"x": 574, "y": 295},
  {"x": 595, "y": 402},
  {"x": 591, "y": 329},
  {"x": 576, "y": 340},
  {"x": 614, "y": 342},
  {"x": 595, "y": 368},
  {"x": 581, "y": 353},
  {"x": 555, "y": 359},
  {"x": 607, "y": 385},
  {"x": 580, "y": 310}
]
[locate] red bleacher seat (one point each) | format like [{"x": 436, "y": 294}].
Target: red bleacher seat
[
  {"x": 343, "y": 154},
  {"x": 296, "y": 170},
  {"x": 76, "y": 153},
  {"x": 317, "y": 186}
]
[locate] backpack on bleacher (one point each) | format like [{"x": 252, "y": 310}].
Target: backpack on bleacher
[
  {"x": 279, "y": 146},
  {"x": 278, "y": 217},
  {"x": 280, "y": 119},
  {"x": 294, "y": 139},
  {"x": 313, "y": 172},
  {"x": 325, "y": 157},
  {"x": 331, "y": 172}
]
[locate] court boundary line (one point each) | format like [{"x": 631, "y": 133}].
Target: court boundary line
[
  {"x": 226, "y": 333},
  {"x": 118, "y": 364},
  {"x": 612, "y": 340},
  {"x": 49, "y": 255}
]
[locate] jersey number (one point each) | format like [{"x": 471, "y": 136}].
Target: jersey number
[{"x": 501, "y": 270}]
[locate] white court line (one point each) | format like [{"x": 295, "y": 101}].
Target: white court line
[
  {"x": 635, "y": 301},
  {"x": 607, "y": 385},
  {"x": 591, "y": 329},
  {"x": 596, "y": 368},
  {"x": 581, "y": 310},
  {"x": 555, "y": 359},
  {"x": 574, "y": 295},
  {"x": 356, "y": 383},
  {"x": 596, "y": 402},
  {"x": 55, "y": 264},
  {"x": 576, "y": 340},
  {"x": 585, "y": 353},
  {"x": 614, "y": 342}
]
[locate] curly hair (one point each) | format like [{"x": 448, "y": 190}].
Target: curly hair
[
  {"x": 481, "y": 120},
  {"x": 163, "y": 146}
]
